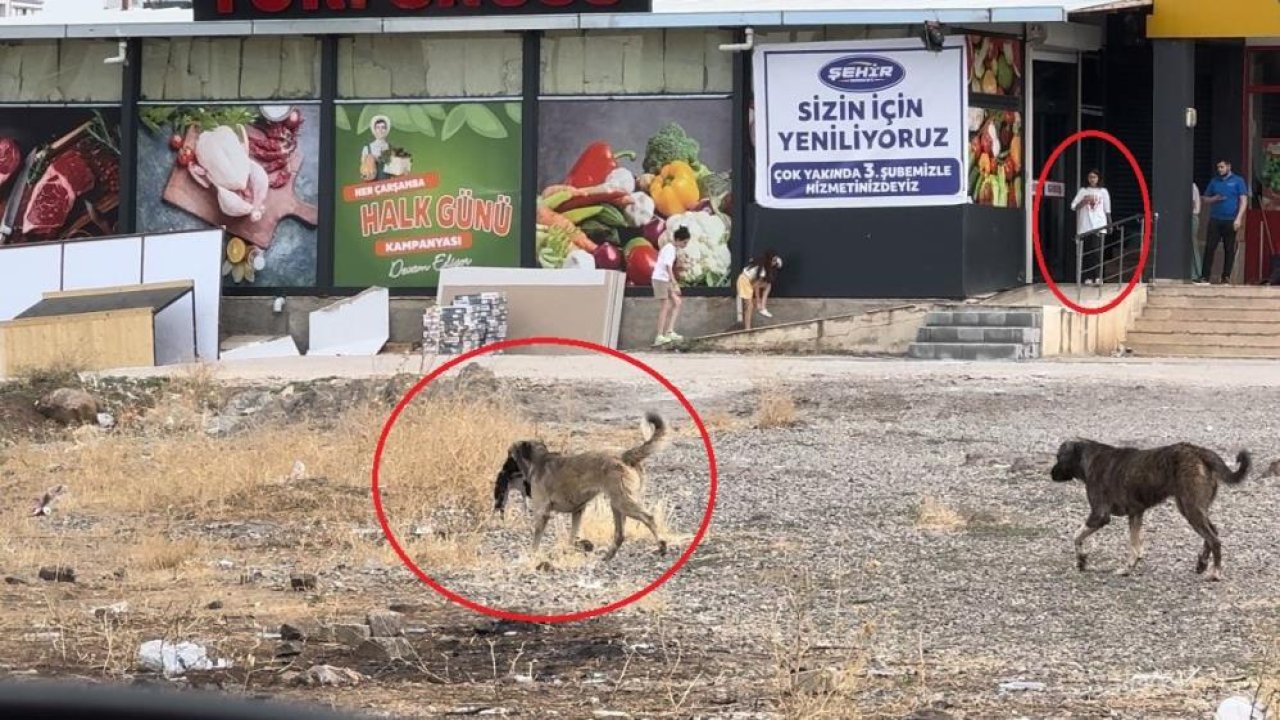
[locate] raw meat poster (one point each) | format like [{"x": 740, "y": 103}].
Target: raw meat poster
[
  {"x": 59, "y": 173},
  {"x": 617, "y": 178},
  {"x": 252, "y": 169},
  {"x": 424, "y": 187}
]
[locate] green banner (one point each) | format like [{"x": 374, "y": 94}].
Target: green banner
[{"x": 425, "y": 187}]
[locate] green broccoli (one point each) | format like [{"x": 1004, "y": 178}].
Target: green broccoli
[{"x": 671, "y": 144}]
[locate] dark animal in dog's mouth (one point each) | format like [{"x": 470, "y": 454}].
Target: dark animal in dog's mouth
[
  {"x": 1125, "y": 481},
  {"x": 567, "y": 483},
  {"x": 510, "y": 473}
]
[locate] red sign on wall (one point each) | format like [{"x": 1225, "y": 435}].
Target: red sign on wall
[{"x": 330, "y": 9}]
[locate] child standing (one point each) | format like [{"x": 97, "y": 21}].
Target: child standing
[{"x": 667, "y": 288}]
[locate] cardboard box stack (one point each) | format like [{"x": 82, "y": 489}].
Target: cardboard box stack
[{"x": 469, "y": 322}]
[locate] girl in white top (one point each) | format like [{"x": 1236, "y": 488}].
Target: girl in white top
[{"x": 1092, "y": 205}]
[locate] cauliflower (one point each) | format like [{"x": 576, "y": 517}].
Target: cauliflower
[{"x": 706, "y": 259}]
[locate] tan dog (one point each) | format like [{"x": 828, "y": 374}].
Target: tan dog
[{"x": 567, "y": 483}]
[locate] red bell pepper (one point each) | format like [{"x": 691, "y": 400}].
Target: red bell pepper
[{"x": 595, "y": 164}]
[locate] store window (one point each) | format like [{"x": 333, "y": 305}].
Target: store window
[
  {"x": 59, "y": 95},
  {"x": 429, "y": 156},
  {"x": 634, "y": 142},
  {"x": 1264, "y": 127},
  {"x": 229, "y": 135}
]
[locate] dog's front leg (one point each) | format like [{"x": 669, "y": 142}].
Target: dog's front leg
[
  {"x": 582, "y": 544},
  {"x": 1095, "y": 522},
  {"x": 1135, "y": 545},
  {"x": 540, "y": 526}
]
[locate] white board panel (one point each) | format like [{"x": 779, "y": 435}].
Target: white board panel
[
  {"x": 102, "y": 263},
  {"x": 359, "y": 325},
  {"x": 474, "y": 275},
  {"x": 175, "y": 332},
  {"x": 267, "y": 347},
  {"x": 26, "y": 273},
  {"x": 194, "y": 256}
]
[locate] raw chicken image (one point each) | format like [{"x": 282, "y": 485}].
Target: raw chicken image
[{"x": 55, "y": 194}]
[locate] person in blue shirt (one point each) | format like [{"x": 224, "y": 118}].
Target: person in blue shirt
[{"x": 1227, "y": 196}]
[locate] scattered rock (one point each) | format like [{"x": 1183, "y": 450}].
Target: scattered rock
[
  {"x": 1240, "y": 708},
  {"x": 404, "y": 607},
  {"x": 301, "y": 582},
  {"x": 299, "y": 629},
  {"x": 384, "y": 649},
  {"x": 609, "y": 714},
  {"x": 289, "y": 648},
  {"x": 174, "y": 659},
  {"x": 215, "y": 605},
  {"x": 386, "y": 623},
  {"x": 1021, "y": 686},
  {"x": 11, "y": 580},
  {"x": 120, "y": 574},
  {"x": 106, "y": 421},
  {"x": 1023, "y": 466},
  {"x": 248, "y": 402},
  {"x": 351, "y": 635},
  {"x": 69, "y": 406},
  {"x": 330, "y": 676},
  {"x": 61, "y": 573},
  {"x": 815, "y": 682},
  {"x": 929, "y": 715},
  {"x": 113, "y": 614}
]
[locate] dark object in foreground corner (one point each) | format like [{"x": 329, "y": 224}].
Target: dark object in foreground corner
[{"x": 42, "y": 700}]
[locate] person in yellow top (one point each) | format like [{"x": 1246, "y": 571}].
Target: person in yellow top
[{"x": 754, "y": 283}]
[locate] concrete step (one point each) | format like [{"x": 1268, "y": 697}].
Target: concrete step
[
  {"x": 984, "y": 318},
  {"x": 1214, "y": 302},
  {"x": 1240, "y": 291},
  {"x": 1215, "y": 315},
  {"x": 1230, "y": 325},
  {"x": 1175, "y": 349},
  {"x": 1191, "y": 339},
  {"x": 972, "y": 351},
  {"x": 978, "y": 334}
]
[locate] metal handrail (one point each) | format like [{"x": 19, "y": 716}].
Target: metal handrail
[{"x": 1116, "y": 237}]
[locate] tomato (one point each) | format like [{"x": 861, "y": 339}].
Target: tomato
[
  {"x": 640, "y": 263},
  {"x": 293, "y": 120},
  {"x": 175, "y": 142},
  {"x": 186, "y": 156}
]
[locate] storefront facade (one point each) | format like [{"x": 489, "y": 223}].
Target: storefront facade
[
  {"x": 343, "y": 151},
  {"x": 1225, "y": 65}
]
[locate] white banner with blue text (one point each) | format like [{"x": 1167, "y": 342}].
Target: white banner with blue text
[{"x": 856, "y": 124}]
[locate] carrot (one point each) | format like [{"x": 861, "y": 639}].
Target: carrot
[{"x": 551, "y": 218}]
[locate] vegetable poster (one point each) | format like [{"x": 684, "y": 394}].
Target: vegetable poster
[
  {"x": 425, "y": 187},
  {"x": 59, "y": 173},
  {"x": 253, "y": 169},
  {"x": 849, "y": 124},
  {"x": 995, "y": 157},
  {"x": 617, "y": 178}
]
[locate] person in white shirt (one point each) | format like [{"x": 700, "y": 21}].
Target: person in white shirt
[
  {"x": 1092, "y": 205},
  {"x": 1195, "y": 231},
  {"x": 667, "y": 288}
]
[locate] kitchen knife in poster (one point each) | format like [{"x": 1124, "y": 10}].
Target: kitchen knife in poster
[{"x": 15, "y": 197}]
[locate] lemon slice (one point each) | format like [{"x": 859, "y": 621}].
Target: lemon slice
[{"x": 236, "y": 250}]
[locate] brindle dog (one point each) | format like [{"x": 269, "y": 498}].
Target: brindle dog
[
  {"x": 1129, "y": 481},
  {"x": 567, "y": 483}
]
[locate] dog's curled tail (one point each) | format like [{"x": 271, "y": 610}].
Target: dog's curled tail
[
  {"x": 655, "y": 444},
  {"x": 1245, "y": 462}
]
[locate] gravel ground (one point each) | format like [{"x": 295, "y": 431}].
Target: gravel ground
[{"x": 825, "y": 515}]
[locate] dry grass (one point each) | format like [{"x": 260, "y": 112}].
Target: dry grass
[
  {"x": 933, "y": 514},
  {"x": 775, "y": 407},
  {"x": 811, "y": 686}
]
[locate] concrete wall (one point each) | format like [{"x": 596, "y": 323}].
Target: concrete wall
[
  {"x": 456, "y": 65},
  {"x": 1066, "y": 332},
  {"x": 877, "y": 331},
  {"x": 700, "y": 316},
  {"x": 636, "y": 62},
  {"x": 47, "y": 71},
  {"x": 254, "y": 68}
]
